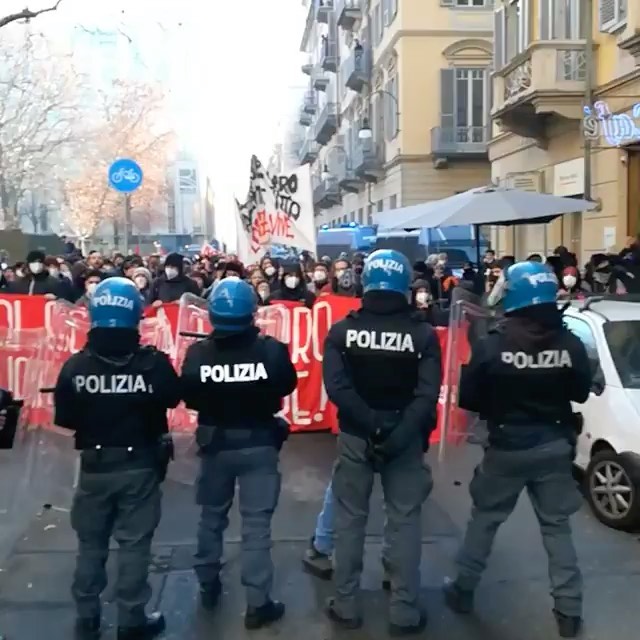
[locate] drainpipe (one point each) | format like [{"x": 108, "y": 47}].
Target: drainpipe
[{"x": 588, "y": 92}]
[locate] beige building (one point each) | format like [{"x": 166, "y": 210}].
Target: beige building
[
  {"x": 397, "y": 110},
  {"x": 542, "y": 120}
]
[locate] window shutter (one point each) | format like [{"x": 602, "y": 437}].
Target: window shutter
[
  {"x": 489, "y": 98},
  {"x": 607, "y": 9},
  {"x": 386, "y": 12},
  {"x": 446, "y": 3},
  {"x": 498, "y": 40},
  {"x": 546, "y": 30},
  {"x": 447, "y": 100}
]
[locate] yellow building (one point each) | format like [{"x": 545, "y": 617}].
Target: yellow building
[
  {"x": 540, "y": 98},
  {"x": 397, "y": 110}
]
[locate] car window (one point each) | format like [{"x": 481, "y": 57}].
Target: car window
[{"x": 583, "y": 331}]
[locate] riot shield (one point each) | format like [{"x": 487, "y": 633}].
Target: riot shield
[
  {"x": 467, "y": 323},
  {"x": 19, "y": 441}
]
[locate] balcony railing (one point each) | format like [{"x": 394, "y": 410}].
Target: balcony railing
[
  {"x": 305, "y": 119},
  {"x": 319, "y": 78},
  {"x": 368, "y": 160},
  {"x": 324, "y": 9},
  {"x": 308, "y": 152},
  {"x": 307, "y": 67},
  {"x": 329, "y": 55},
  {"x": 327, "y": 123},
  {"x": 310, "y": 104},
  {"x": 459, "y": 141},
  {"x": 347, "y": 177},
  {"x": 348, "y": 12},
  {"x": 326, "y": 193},
  {"x": 356, "y": 69}
]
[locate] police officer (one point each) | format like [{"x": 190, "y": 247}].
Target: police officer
[
  {"x": 236, "y": 379},
  {"x": 382, "y": 370},
  {"x": 522, "y": 378},
  {"x": 114, "y": 394}
]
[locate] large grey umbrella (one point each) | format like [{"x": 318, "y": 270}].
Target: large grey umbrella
[{"x": 485, "y": 205}]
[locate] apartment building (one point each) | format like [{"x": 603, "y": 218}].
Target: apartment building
[
  {"x": 397, "y": 109},
  {"x": 551, "y": 100}
]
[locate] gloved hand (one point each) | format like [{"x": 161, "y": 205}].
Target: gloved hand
[{"x": 384, "y": 422}]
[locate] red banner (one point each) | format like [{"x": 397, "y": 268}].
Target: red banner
[{"x": 41, "y": 334}]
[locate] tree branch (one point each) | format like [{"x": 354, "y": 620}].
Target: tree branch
[{"x": 26, "y": 14}]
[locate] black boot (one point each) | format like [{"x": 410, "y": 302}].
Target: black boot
[
  {"x": 345, "y": 623},
  {"x": 568, "y": 626},
  {"x": 457, "y": 599},
  {"x": 318, "y": 564},
  {"x": 397, "y": 631},
  {"x": 258, "y": 617},
  {"x": 86, "y": 628},
  {"x": 210, "y": 595},
  {"x": 154, "y": 626}
]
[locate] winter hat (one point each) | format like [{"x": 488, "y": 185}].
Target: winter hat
[
  {"x": 143, "y": 271},
  {"x": 174, "y": 260},
  {"x": 36, "y": 256}
]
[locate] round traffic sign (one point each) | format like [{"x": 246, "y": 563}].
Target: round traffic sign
[{"x": 125, "y": 175}]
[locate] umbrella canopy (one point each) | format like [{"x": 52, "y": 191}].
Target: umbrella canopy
[{"x": 485, "y": 205}]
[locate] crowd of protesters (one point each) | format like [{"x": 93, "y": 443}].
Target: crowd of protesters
[{"x": 161, "y": 279}]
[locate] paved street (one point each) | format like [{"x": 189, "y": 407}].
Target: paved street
[{"x": 513, "y": 603}]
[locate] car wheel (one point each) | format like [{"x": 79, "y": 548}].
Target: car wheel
[{"x": 612, "y": 487}]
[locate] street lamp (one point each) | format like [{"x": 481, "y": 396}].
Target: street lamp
[{"x": 365, "y": 132}]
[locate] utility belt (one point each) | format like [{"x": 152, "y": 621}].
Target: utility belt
[
  {"x": 111, "y": 459},
  {"x": 214, "y": 438},
  {"x": 518, "y": 436}
]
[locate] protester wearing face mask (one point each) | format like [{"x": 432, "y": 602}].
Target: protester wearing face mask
[
  {"x": 36, "y": 279},
  {"x": 89, "y": 281},
  {"x": 142, "y": 279},
  {"x": 270, "y": 270},
  {"x": 264, "y": 291},
  {"x": 569, "y": 287},
  {"x": 65, "y": 289},
  {"x": 293, "y": 287},
  {"x": 319, "y": 278},
  {"x": 346, "y": 284},
  {"x": 173, "y": 283},
  {"x": 422, "y": 301}
]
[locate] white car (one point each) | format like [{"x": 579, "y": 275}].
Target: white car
[{"x": 608, "y": 450}]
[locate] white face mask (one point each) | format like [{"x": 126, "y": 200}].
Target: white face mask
[
  {"x": 263, "y": 294},
  {"x": 91, "y": 287},
  {"x": 339, "y": 273},
  {"x": 319, "y": 276},
  {"x": 141, "y": 282},
  {"x": 569, "y": 281},
  {"x": 36, "y": 267},
  {"x": 441, "y": 263},
  {"x": 170, "y": 272},
  {"x": 53, "y": 272},
  {"x": 269, "y": 270},
  {"x": 291, "y": 282},
  {"x": 422, "y": 297},
  {"x": 19, "y": 273}
]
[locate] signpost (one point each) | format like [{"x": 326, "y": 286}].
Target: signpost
[{"x": 125, "y": 176}]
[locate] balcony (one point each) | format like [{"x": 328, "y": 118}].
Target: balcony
[
  {"x": 348, "y": 12},
  {"x": 324, "y": 9},
  {"x": 305, "y": 119},
  {"x": 329, "y": 55},
  {"x": 356, "y": 70},
  {"x": 326, "y": 193},
  {"x": 310, "y": 103},
  {"x": 347, "y": 178},
  {"x": 307, "y": 67},
  {"x": 319, "y": 78},
  {"x": 327, "y": 123},
  {"x": 368, "y": 160},
  {"x": 544, "y": 84},
  {"x": 460, "y": 142},
  {"x": 308, "y": 151}
]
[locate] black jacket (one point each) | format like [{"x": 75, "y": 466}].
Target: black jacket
[{"x": 172, "y": 290}]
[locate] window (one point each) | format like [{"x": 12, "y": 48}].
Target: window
[
  {"x": 516, "y": 27},
  {"x": 360, "y": 216},
  {"x": 392, "y": 107},
  {"x": 613, "y": 14},
  {"x": 352, "y": 216},
  {"x": 380, "y": 206},
  {"x": 393, "y": 202},
  {"x": 472, "y": 3},
  {"x": 583, "y": 331},
  {"x": 464, "y": 104},
  {"x": 370, "y": 214},
  {"x": 561, "y": 20},
  {"x": 393, "y": 10},
  {"x": 622, "y": 339},
  {"x": 377, "y": 29}
]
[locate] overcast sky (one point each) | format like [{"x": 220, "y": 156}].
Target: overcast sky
[{"x": 240, "y": 58}]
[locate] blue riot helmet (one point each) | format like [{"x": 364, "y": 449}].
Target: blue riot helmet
[
  {"x": 529, "y": 284},
  {"x": 115, "y": 304},
  {"x": 386, "y": 270},
  {"x": 232, "y": 305}
]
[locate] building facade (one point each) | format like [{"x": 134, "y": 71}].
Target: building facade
[
  {"x": 565, "y": 120},
  {"x": 397, "y": 107}
]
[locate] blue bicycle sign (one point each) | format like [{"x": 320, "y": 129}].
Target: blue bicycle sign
[{"x": 125, "y": 175}]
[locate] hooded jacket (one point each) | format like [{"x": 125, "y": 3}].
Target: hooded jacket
[{"x": 171, "y": 290}]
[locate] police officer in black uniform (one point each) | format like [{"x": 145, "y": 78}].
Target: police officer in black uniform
[
  {"x": 522, "y": 379},
  {"x": 236, "y": 379},
  {"x": 114, "y": 394},
  {"x": 382, "y": 369}
]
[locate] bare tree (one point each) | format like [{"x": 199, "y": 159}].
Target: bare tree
[
  {"x": 38, "y": 118},
  {"x": 27, "y": 14}
]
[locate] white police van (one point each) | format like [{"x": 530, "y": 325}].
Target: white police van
[{"x": 608, "y": 451}]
